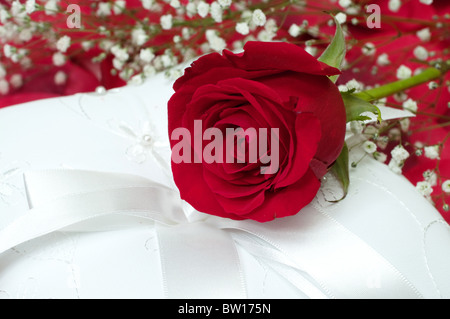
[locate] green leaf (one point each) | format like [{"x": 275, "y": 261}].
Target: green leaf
[
  {"x": 341, "y": 170},
  {"x": 335, "y": 52},
  {"x": 355, "y": 106}
]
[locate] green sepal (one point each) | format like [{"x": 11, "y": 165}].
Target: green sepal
[
  {"x": 341, "y": 170},
  {"x": 335, "y": 52},
  {"x": 354, "y": 107}
]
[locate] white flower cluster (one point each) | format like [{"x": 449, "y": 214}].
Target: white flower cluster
[
  {"x": 166, "y": 22},
  {"x": 63, "y": 44},
  {"x": 410, "y": 105},
  {"x": 203, "y": 9},
  {"x": 425, "y": 189},
  {"x": 369, "y": 49},
  {"x": 399, "y": 156},
  {"x": 404, "y": 72},
  {"x": 120, "y": 56},
  {"x": 139, "y": 37},
  {"x": 383, "y": 59},
  {"x": 369, "y": 147},
  {"x": 251, "y": 20},
  {"x": 432, "y": 152},
  {"x": 394, "y": 5},
  {"x": 352, "y": 85},
  {"x": 215, "y": 42},
  {"x": 424, "y": 34}
]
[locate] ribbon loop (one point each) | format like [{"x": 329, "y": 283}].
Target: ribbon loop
[{"x": 199, "y": 259}]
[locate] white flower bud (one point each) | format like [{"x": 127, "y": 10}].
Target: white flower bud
[
  {"x": 4, "y": 87},
  {"x": 217, "y": 44},
  {"x": 51, "y": 7},
  {"x": 216, "y": 12},
  {"x": 26, "y": 35},
  {"x": 395, "y": 166},
  {"x": 63, "y": 43},
  {"x": 383, "y": 60},
  {"x": 356, "y": 127},
  {"x": 341, "y": 18},
  {"x": 410, "y": 105},
  {"x": 432, "y": 152},
  {"x": 136, "y": 80},
  {"x": 265, "y": 36},
  {"x": 433, "y": 85},
  {"x": 30, "y": 6},
  {"x": 120, "y": 53},
  {"x": 394, "y": 5},
  {"x": 16, "y": 81},
  {"x": 146, "y": 55},
  {"x": 225, "y": 3},
  {"x": 295, "y": 30},
  {"x": 430, "y": 177},
  {"x": 139, "y": 37},
  {"x": 104, "y": 9},
  {"x": 149, "y": 70},
  {"x": 8, "y": 50},
  {"x": 424, "y": 34},
  {"x": 259, "y": 18},
  {"x": 399, "y": 153},
  {"x": 311, "y": 50},
  {"x": 2, "y": 71},
  {"x": 203, "y": 9},
  {"x": 380, "y": 157},
  {"x": 421, "y": 53},
  {"x": 369, "y": 49},
  {"x": 60, "y": 78},
  {"x": 404, "y": 124},
  {"x": 345, "y": 3},
  {"x": 166, "y": 21},
  {"x": 119, "y": 6},
  {"x": 403, "y": 72},
  {"x": 117, "y": 64},
  {"x": 446, "y": 186},
  {"x": 4, "y": 16},
  {"x": 59, "y": 59},
  {"x": 175, "y": 4},
  {"x": 369, "y": 147},
  {"x": 242, "y": 28},
  {"x": 191, "y": 9},
  {"x": 424, "y": 188},
  {"x": 147, "y": 4}
]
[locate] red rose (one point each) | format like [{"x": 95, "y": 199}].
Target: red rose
[{"x": 276, "y": 87}]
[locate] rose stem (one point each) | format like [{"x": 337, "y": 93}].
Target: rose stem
[{"x": 390, "y": 89}]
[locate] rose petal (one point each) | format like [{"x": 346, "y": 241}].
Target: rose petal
[
  {"x": 308, "y": 137},
  {"x": 278, "y": 56},
  {"x": 194, "y": 190},
  {"x": 322, "y": 98},
  {"x": 228, "y": 190},
  {"x": 241, "y": 205},
  {"x": 281, "y": 203}
]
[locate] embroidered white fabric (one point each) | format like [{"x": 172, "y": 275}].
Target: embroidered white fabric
[{"x": 125, "y": 131}]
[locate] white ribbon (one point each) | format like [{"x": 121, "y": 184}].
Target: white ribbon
[{"x": 199, "y": 259}]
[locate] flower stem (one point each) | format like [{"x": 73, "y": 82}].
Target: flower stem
[{"x": 390, "y": 89}]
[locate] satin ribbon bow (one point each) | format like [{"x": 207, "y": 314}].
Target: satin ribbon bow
[{"x": 199, "y": 258}]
